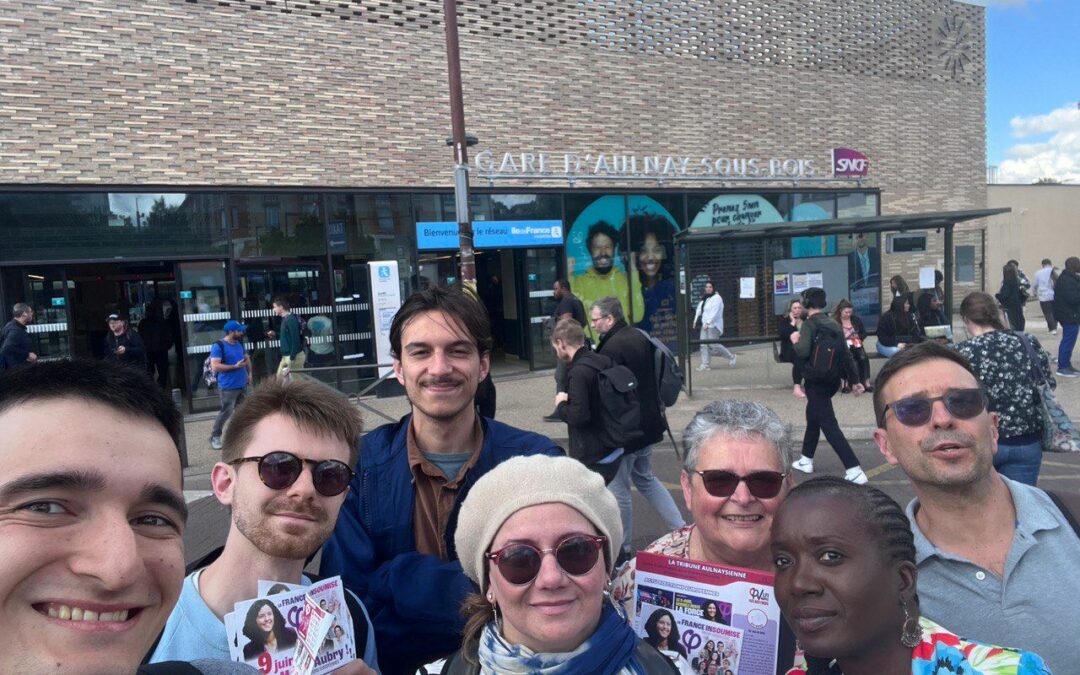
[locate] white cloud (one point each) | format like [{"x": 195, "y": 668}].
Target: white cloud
[{"x": 1056, "y": 154}]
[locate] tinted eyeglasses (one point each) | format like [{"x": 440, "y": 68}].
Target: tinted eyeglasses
[
  {"x": 520, "y": 563},
  {"x": 916, "y": 411},
  {"x": 279, "y": 469},
  {"x": 762, "y": 484}
]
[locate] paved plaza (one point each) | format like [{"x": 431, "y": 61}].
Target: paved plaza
[{"x": 523, "y": 398}]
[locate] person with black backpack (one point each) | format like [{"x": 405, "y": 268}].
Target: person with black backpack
[
  {"x": 627, "y": 346},
  {"x": 599, "y": 419},
  {"x": 821, "y": 345}
]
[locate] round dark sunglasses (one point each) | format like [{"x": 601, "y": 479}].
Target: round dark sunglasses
[
  {"x": 762, "y": 484},
  {"x": 279, "y": 469},
  {"x": 520, "y": 563},
  {"x": 916, "y": 411}
]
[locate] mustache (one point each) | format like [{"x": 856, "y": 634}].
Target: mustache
[
  {"x": 309, "y": 509},
  {"x": 437, "y": 381},
  {"x": 946, "y": 436}
]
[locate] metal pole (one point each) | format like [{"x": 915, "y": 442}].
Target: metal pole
[
  {"x": 948, "y": 272},
  {"x": 461, "y": 159},
  {"x": 178, "y": 401}
]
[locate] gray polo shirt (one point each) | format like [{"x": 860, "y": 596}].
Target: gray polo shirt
[{"x": 1035, "y": 607}]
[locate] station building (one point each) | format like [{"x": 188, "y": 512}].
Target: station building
[{"x": 204, "y": 157}]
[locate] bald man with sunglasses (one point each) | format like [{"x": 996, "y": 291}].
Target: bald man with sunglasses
[
  {"x": 986, "y": 546},
  {"x": 284, "y": 473}
]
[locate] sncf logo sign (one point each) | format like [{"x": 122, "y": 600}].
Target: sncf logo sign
[{"x": 848, "y": 163}]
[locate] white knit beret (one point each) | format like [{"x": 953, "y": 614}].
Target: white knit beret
[{"x": 527, "y": 481}]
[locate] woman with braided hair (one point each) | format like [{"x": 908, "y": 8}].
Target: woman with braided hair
[{"x": 846, "y": 582}]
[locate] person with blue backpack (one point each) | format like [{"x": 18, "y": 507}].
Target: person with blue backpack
[{"x": 821, "y": 346}]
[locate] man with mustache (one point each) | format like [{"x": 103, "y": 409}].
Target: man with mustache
[
  {"x": 986, "y": 546},
  {"x": 604, "y": 278},
  {"x": 394, "y": 541},
  {"x": 284, "y": 472}
]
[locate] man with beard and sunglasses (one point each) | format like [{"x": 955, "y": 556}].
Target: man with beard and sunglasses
[
  {"x": 284, "y": 472},
  {"x": 736, "y": 473},
  {"x": 986, "y": 546},
  {"x": 394, "y": 542}
]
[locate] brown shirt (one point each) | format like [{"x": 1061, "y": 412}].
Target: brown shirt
[{"x": 435, "y": 495}]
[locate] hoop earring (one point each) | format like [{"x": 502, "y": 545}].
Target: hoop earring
[{"x": 911, "y": 633}]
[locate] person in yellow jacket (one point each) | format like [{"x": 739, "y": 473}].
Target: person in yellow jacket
[{"x": 603, "y": 278}]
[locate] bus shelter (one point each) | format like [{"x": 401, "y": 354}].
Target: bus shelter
[{"x": 759, "y": 268}]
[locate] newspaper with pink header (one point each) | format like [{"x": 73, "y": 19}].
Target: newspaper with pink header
[{"x": 701, "y": 613}]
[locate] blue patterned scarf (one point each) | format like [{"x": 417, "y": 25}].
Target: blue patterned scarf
[{"x": 608, "y": 651}]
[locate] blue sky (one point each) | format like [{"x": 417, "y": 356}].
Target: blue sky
[{"x": 1032, "y": 89}]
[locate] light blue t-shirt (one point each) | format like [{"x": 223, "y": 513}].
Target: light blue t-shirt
[{"x": 193, "y": 631}]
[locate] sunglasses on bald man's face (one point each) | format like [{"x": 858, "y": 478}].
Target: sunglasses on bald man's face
[
  {"x": 916, "y": 411},
  {"x": 278, "y": 470}
]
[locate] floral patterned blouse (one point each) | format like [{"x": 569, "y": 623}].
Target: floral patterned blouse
[
  {"x": 943, "y": 653},
  {"x": 1001, "y": 362}
]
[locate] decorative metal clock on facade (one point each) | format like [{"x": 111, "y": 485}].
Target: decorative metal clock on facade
[{"x": 952, "y": 40}]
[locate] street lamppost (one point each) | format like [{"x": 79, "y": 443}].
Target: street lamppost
[{"x": 460, "y": 143}]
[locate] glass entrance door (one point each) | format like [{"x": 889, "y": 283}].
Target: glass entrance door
[
  {"x": 541, "y": 269},
  {"x": 204, "y": 309}
]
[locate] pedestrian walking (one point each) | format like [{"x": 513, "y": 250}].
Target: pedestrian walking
[
  {"x": 291, "y": 339},
  {"x": 567, "y": 306},
  {"x": 1043, "y": 287},
  {"x": 232, "y": 364},
  {"x": 1002, "y": 362},
  {"x": 157, "y": 336},
  {"x": 789, "y": 325},
  {"x": 628, "y": 346},
  {"x": 1011, "y": 296},
  {"x": 822, "y": 345},
  {"x": 124, "y": 345},
  {"x": 710, "y": 311},
  {"x": 1067, "y": 311},
  {"x": 16, "y": 347},
  {"x": 580, "y": 406}
]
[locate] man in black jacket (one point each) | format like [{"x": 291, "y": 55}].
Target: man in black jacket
[
  {"x": 567, "y": 306},
  {"x": 628, "y": 347},
  {"x": 579, "y": 405},
  {"x": 820, "y": 415},
  {"x": 124, "y": 346},
  {"x": 1067, "y": 312},
  {"x": 15, "y": 345}
]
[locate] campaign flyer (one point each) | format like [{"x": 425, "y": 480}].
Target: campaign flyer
[
  {"x": 314, "y": 626},
  {"x": 704, "y": 613},
  {"x": 265, "y": 631}
]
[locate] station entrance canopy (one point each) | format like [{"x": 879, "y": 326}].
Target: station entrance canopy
[{"x": 757, "y": 268}]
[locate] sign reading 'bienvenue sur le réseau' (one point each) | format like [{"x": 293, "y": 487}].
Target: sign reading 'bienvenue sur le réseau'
[{"x": 492, "y": 165}]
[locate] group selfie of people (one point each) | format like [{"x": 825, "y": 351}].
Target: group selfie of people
[{"x": 459, "y": 544}]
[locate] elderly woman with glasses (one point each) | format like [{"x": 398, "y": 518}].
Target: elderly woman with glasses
[
  {"x": 538, "y": 536},
  {"x": 736, "y": 473}
]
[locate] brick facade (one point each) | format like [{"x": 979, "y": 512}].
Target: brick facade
[{"x": 353, "y": 93}]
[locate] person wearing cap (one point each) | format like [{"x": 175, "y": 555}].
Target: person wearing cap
[
  {"x": 124, "y": 346},
  {"x": 233, "y": 367},
  {"x": 539, "y": 536}
]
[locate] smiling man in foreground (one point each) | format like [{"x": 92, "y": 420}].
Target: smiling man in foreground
[
  {"x": 986, "y": 546},
  {"x": 394, "y": 541},
  {"x": 92, "y": 517}
]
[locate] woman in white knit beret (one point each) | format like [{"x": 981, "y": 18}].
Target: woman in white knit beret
[{"x": 538, "y": 535}]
